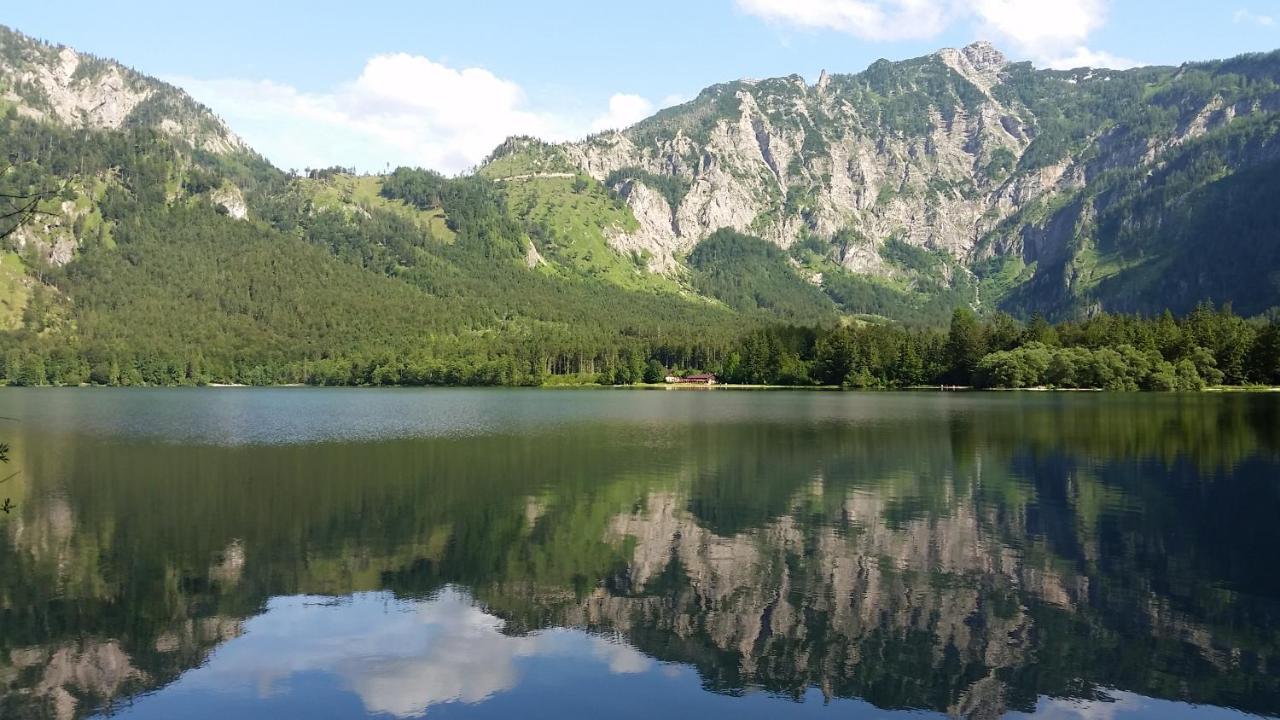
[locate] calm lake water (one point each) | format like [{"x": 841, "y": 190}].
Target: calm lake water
[{"x": 310, "y": 553}]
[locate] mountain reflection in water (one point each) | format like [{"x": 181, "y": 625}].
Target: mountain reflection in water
[{"x": 682, "y": 554}]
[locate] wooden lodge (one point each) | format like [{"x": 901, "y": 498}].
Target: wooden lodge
[{"x": 700, "y": 379}]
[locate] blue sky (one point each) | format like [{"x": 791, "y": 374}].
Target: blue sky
[{"x": 440, "y": 83}]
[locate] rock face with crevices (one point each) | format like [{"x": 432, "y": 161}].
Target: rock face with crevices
[
  {"x": 58, "y": 84},
  {"x": 781, "y": 159},
  {"x": 960, "y": 152},
  {"x": 913, "y": 186}
]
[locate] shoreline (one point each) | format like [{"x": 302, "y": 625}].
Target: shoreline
[{"x": 678, "y": 387}]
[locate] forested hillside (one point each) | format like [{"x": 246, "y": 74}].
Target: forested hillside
[
  {"x": 165, "y": 251},
  {"x": 165, "y": 285}
]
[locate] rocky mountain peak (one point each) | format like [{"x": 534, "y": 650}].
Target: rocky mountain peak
[
  {"x": 980, "y": 63},
  {"x": 984, "y": 56}
]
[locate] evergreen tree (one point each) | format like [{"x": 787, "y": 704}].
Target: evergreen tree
[{"x": 966, "y": 345}]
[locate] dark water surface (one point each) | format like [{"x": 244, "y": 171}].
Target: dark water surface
[{"x": 506, "y": 553}]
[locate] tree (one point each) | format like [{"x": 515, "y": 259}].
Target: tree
[
  {"x": 654, "y": 372},
  {"x": 966, "y": 345},
  {"x": 1004, "y": 332},
  {"x": 16, "y": 209},
  {"x": 835, "y": 358},
  {"x": 911, "y": 370},
  {"x": 1039, "y": 330},
  {"x": 1264, "y": 358}
]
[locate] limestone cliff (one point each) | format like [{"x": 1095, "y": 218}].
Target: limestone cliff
[
  {"x": 58, "y": 84},
  {"x": 960, "y": 152}
]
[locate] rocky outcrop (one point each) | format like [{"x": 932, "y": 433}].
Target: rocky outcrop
[
  {"x": 658, "y": 234},
  {"x": 58, "y": 84},
  {"x": 929, "y": 151},
  {"x": 51, "y": 238},
  {"x": 230, "y": 200},
  {"x": 533, "y": 258},
  {"x": 105, "y": 101}
]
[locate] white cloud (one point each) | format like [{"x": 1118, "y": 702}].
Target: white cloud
[
  {"x": 1035, "y": 24},
  {"x": 624, "y": 111},
  {"x": 1084, "y": 57},
  {"x": 1115, "y": 704},
  {"x": 1053, "y": 34},
  {"x": 401, "y": 110},
  {"x": 1251, "y": 18},
  {"x": 867, "y": 19}
]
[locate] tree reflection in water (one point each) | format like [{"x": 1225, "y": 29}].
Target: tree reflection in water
[{"x": 972, "y": 557}]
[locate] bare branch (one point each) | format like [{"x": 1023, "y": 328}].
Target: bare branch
[{"x": 22, "y": 207}]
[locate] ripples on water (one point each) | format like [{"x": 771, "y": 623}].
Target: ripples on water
[{"x": 499, "y": 553}]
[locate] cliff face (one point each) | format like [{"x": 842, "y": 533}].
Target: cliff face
[
  {"x": 57, "y": 84},
  {"x": 954, "y": 178},
  {"x": 780, "y": 158},
  {"x": 960, "y": 152}
]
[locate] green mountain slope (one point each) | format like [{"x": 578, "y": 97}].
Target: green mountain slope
[{"x": 166, "y": 251}]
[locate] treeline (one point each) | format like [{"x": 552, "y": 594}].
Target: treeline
[{"x": 1210, "y": 346}]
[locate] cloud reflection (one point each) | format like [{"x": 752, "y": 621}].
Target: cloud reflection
[{"x": 399, "y": 658}]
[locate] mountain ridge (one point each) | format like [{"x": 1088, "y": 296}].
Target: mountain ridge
[{"x": 953, "y": 151}]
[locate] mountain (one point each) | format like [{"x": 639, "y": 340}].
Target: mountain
[
  {"x": 1061, "y": 192},
  {"x": 164, "y": 250},
  {"x": 167, "y": 251}
]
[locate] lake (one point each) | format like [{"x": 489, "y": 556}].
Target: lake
[{"x": 266, "y": 553}]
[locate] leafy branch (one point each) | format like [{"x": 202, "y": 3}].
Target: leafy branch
[
  {"x": 16, "y": 209},
  {"x": 7, "y": 505}
]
